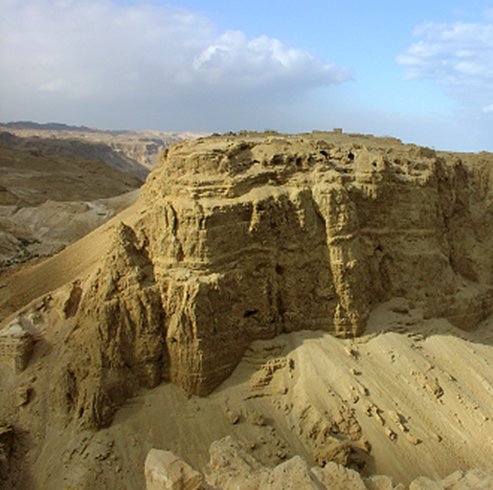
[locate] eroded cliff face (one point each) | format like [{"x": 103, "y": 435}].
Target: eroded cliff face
[{"x": 245, "y": 238}]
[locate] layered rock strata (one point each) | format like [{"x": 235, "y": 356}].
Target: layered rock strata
[
  {"x": 16, "y": 346},
  {"x": 245, "y": 238}
]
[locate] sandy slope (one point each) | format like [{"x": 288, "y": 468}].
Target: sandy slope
[
  {"x": 20, "y": 287},
  {"x": 53, "y": 192},
  {"x": 415, "y": 394},
  {"x": 39, "y": 231}
]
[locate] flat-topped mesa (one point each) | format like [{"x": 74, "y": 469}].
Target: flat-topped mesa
[{"x": 243, "y": 238}]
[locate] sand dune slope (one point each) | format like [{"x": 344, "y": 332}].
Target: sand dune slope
[
  {"x": 20, "y": 287},
  {"x": 403, "y": 400}
]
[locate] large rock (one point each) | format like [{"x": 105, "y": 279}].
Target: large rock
[
  {"x": 245, "y": 238},
  {"x": 338, "y": 477},
  {"x": 16, "y": 346},
  {"x": 291, "y": 475},
  {"x": 165, "y": 471},
  {"x": 231, "y": 467},
  {"x": 382, "y": 482},
  {"x": 476, "y": 479}
]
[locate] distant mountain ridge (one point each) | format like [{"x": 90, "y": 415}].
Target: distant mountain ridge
[
  {"x": 58, "y": 182},
  {"x": 50, "y": 126},
  {"x": 53, "y": 191},
  {"x": 142, "y": 148},
  {"x": 74, "y": 148}
]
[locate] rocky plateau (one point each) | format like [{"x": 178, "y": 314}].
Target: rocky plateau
[{"x": 310, "y": 294}]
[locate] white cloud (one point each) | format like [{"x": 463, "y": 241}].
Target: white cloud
[
  {"x": 63, "y": 59},
  {"x": 488, "y": 109},
  {"x": 262, "y": 61},
  {"x": 458, "y": 56}
]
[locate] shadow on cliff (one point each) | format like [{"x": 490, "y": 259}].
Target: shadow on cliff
[{"x": 262, "y": 353}]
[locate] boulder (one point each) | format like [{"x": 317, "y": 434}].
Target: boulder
[{"x": 166, "y": 471}]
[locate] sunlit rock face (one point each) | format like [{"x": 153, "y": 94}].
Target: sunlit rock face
[{"x": 244, "y": 237}]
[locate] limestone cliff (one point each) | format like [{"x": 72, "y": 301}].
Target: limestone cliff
[{"x": 243, "y": 238}]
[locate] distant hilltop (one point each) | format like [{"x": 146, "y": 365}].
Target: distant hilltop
[
  {"x": 142, "y": 147},
  {"x": 51, "y": 126}
]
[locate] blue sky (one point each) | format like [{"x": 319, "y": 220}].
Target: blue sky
[{"x": 421, "y": 71}]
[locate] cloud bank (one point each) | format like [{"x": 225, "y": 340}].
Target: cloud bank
[
  {"x": 144, "y": 64},
  {"x": 458, "y": 56}
]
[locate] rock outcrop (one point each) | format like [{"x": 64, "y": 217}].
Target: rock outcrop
[
  {"x": 165, "y": 471},
  {"x": 231, "y": 467},
  {"x": 245, "y": 238},
  {"x": 6, "y": 449},
  {"x": 16, "y": 346}
]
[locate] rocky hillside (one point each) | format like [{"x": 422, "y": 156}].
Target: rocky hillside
[
  {"x": 70, "y": 148},
  {"x": 135, "y": 151},
  {"x": 237, "y": 239},
  {"x": 244, "y": 239},
  {"x": 34, "y": 170},
  {"x": 51, "y": 126},
  {"x": 55, "y": 191}
]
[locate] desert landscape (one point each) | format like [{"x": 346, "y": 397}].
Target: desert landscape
[
  {"x": 266, "y": 310},
  {"x": 59, "y": 182}
]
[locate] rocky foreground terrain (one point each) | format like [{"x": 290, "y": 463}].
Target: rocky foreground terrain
[{"x": 322, "y": 301}]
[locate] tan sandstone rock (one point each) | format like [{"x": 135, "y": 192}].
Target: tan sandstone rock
[
  {"x": 291, "y": 475},
  {"x": 6, "y": 448},
  {"x": 423, "y": 483},
  {"x": 243, "y": 238},
  {"x": 16, "y": 346},
  {"x": 338, "y": 477},
  {"x": 230, "y": 466},
  {"x": 382, "y": 482},
  {"x": 165, "y": 471}
]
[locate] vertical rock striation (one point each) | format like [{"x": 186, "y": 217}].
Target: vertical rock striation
[{"x": 245, "y": 238}]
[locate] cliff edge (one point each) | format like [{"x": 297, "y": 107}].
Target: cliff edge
[{"x": 241, "y": 238}]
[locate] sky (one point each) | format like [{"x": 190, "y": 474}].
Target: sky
[{"x": 421, "y": 71}]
